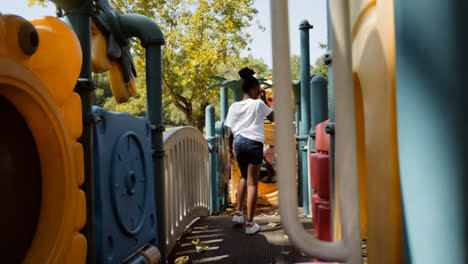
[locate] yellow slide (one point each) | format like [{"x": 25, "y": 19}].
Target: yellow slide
[{"x": 267, "y": 192}]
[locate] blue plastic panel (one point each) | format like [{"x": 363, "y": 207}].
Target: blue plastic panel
[{"x": 125, "y": 217}]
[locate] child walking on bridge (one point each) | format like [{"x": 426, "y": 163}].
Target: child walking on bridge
[{"x": 246, "y": 120}]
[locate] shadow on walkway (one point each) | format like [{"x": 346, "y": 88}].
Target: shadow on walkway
[{"x": 228, "y": 243}]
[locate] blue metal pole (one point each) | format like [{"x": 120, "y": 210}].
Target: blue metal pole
[
  {"x": 213, "y": 145},
  {"x": 304, "y": 125},
  {"x": 431, "y": 99}
]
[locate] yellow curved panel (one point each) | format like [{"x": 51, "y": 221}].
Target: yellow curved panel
[
  {"x": 99, "y": 60},
  {"x": 79, "y": 159},
  {"x": 121, "y": 90},
  {"x": 57, "y": 61},
  {"x": 373, "y": 49},
  {"x": 71, "y": 110},
  {"x": 38, "y": 85}
]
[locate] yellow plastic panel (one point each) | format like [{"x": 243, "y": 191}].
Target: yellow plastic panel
[
  {"x": 39, "y": 85},
  {"x": 267, "y": 192},
  {"x": 270, "y": 134},
  {"x": 373, "y": 48}
]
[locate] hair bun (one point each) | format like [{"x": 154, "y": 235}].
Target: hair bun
[{"x": 246, "y": 73}]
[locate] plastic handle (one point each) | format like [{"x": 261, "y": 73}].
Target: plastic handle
[{"x": 349, "y": 248}]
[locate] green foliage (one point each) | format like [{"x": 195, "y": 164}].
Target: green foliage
[
  {"x": 135, "y": 105},
  {"x": 296, "y": 67},
  {"x": 42, "y": 3},
  {"x": 320, "y": 67},
  {"x": 234, "y": 84},
  {"x": 203, "y": 38},
  {"x": 257, "y": 65},
  {"x": 103, "y": 90}
]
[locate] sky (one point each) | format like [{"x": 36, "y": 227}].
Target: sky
[{"x": 312, "y": 10}]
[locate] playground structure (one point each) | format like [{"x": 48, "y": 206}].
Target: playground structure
[{"x": 103, "y": 187}]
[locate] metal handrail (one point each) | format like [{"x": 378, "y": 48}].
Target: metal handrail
[
  {"x": 348, "y": 249},
  {"x": 186, "y": 172}
]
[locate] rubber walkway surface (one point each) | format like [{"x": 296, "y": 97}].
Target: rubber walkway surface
[{"x": 228, "y": 243}]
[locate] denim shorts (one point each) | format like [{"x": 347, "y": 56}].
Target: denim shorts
[{"x": 247, "y": 151}]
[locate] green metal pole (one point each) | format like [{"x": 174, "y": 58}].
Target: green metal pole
[
  {"x": 319, "y": 103},
  {"x": 78, "y": 17},
  {"x": 212, "y": 143},
  {"x": 304, "y": 125}
]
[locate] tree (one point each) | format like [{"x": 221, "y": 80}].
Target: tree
[
  {"x": 320, "y": 67},
  {"x": 103, "y": 90},
  {"x": 296, "y": 67},
  {"x": 203, "y": 38},
  {"x": 257, "y": 65}
]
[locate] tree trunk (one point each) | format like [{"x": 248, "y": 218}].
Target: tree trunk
[{"x": 182, "y": 103}]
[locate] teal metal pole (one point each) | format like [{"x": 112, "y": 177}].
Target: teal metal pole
[
  {"x": 330, "y": 128},
  {"x": 297, "y": 102},
  {"x": 319, "y": 103},
  {"x": 237, "y": 94},
  {"x": 431, "y": 99},
  {"x": 304, "y": 125},
  {"x": 224, "y": 93},
  {"x": 78, "y": 17},
  {"x": 224, "y": 103},
  {"x": 154, "y": 114},
  {"x": 213, "y": 146}
]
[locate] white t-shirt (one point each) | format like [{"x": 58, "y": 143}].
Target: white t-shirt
[{"x": 246, "y": 118}]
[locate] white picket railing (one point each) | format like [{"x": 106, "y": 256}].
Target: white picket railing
[{"x": 187, "y": 185}]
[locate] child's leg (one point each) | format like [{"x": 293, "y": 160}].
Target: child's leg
[
  {"x": 252, "y": 181},
  {"x": 242, "y": 188}
]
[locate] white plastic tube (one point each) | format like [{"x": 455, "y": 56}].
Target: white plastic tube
[{"x": 349, "y": 248}]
